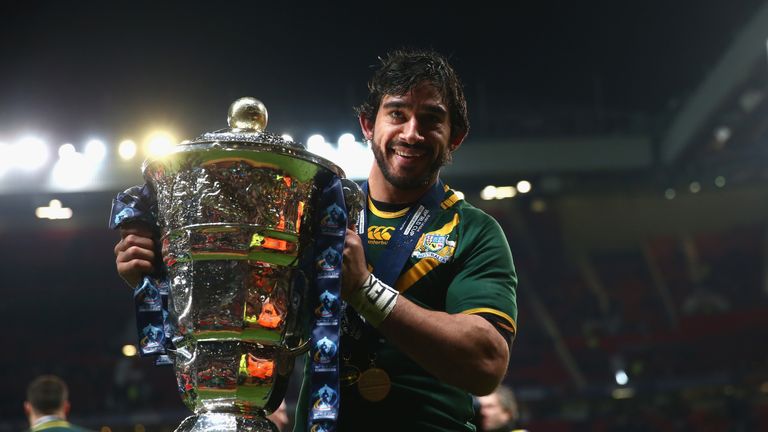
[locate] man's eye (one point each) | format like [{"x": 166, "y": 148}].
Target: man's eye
[{"x": 397, "y": 115}]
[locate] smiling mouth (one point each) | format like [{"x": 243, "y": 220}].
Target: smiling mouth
[{"x": 409, "y": 152}]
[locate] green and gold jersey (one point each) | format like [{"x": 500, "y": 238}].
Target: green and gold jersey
[
  {"x": 461, "y": 264},
  {"x": 56, "y": 425}
]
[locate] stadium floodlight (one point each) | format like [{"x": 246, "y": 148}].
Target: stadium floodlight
[
  {"x": 315, "y": 140},
  {"x": 353, "y": 157},
  {"x": 29, "y": 154},
  {"x": 346, "y": 140},
  {"x": 53, "y": 211},
  {"x": 720, "y": 181},
  {"x": 129, "y": 350},
  {"x": 488, "y": 192},
  {"x": 66, "y": 150},
  {"x": 722, "y": 134},
  {"x": 159, "y": 143},
  {"x": 73, "y": 171},
  {"x": 95, "y": 150},
  {"x": 523, "y": 186},
  {"x": 317, "y": 145},
  {"x": 286, "y": 137},
  {"x": 505, "y": 192},
  {"x": 5, "y": 158},
  {"x": 497, "y": 192},
  {"x": 694, "y": 187},
  {"x": 127, "y": 149},
  {"x": 621, "y": 377}
]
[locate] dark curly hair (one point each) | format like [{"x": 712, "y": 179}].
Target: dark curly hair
[{"x": 405, "y": 69}]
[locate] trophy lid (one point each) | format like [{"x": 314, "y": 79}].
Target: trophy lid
[{"x": 247, "y": 119}]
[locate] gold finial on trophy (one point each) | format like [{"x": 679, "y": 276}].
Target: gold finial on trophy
[{"x": 247, "y": 114}]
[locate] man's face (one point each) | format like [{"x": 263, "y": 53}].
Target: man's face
[
  {"x": 412, "y": 137},
  {"x": 492, "y": 415}
]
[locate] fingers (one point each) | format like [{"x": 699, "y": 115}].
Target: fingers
[
  {"x": 134, "y": 240},
  {"x": 352, "y": 238},
  {"x": 141, "y": 229},
  {"x": 133, "y": 271},
  {"x": 354, "y": 268},
  {"x": 135, "y": 254}
]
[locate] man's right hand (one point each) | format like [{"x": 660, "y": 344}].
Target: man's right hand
[{"x": 135, "y": 252}]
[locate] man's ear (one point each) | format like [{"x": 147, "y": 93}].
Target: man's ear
[
  {"x": 27, "y": 408},
  {"x": 457, "y": 140},
  {"x": 366, "y": 126}
]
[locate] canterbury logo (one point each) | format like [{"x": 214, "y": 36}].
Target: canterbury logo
[{"x": 380, "y": 232}]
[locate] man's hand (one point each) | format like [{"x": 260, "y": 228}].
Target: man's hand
[
  {"x": 135, "y": 253},
  {"x": 354, "y": 270}
]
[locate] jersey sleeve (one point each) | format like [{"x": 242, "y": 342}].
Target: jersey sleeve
[{"x": 485, "y": 282}]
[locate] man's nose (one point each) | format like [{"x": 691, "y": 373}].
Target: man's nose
[{"x": 411, "y": 133}]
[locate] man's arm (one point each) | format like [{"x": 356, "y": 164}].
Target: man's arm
[{"x": 459, "y": 349}]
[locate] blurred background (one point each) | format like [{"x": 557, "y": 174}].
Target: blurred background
[{"x": 623, "y": 147}]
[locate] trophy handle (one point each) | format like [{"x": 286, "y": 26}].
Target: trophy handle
[
  {"x": 354, "y": 200},
  {"x": 297, "y": 350},
  {"x": 294, "y": 333}
]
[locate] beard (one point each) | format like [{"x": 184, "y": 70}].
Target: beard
[{"x": 408, "y": 181}]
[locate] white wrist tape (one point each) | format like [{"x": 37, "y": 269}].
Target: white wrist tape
[{"x": 374, "y": 300}]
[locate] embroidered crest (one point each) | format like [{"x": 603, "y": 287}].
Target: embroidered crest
[
  {"x": 434, "y": 245},
  {"x": 434, "y": 242}
]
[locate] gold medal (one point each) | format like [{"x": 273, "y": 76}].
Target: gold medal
[{"x": 374, "y": 384}]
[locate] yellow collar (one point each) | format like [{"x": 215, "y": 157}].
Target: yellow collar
[{"x": 386, "y": 214}]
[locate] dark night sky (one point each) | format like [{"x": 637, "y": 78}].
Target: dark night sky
[{"x": 116, "y": 68}]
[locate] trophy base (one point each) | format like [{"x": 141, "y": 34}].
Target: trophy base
[{"x": 226, "y": 422}]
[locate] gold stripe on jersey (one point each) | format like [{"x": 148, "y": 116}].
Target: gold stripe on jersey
[
  {"x": 407, "y": 279},
  {"x": 424, "y": 265},
  {"x": 51, "y": 424},
  {"x": 386, "y": 214},
  {"x": 450, "y": 201},
  {"x": 494, "y": 312}
]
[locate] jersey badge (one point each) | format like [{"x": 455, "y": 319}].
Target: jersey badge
[{"x": 437, "y": 246}]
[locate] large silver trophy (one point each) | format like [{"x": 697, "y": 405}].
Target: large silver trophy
[{"x": 234, "y": 209}]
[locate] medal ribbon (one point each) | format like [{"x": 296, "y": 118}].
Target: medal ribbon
[
  {"x": 331, "y": 223},
  {"x": 390, "y": 263},
  {"x": 388, "y": 268},
  {"x": 150, "y": 296}
]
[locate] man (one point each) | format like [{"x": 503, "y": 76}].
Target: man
[
  {"x": 438, "y": 305},
  {"x": 47, "y": 405},
  {"x": 498, "y": 411}
]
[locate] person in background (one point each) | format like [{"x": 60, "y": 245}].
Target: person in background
[
  {"x": 47, "y": 405},
  {"x": 498, "y": 411}
]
